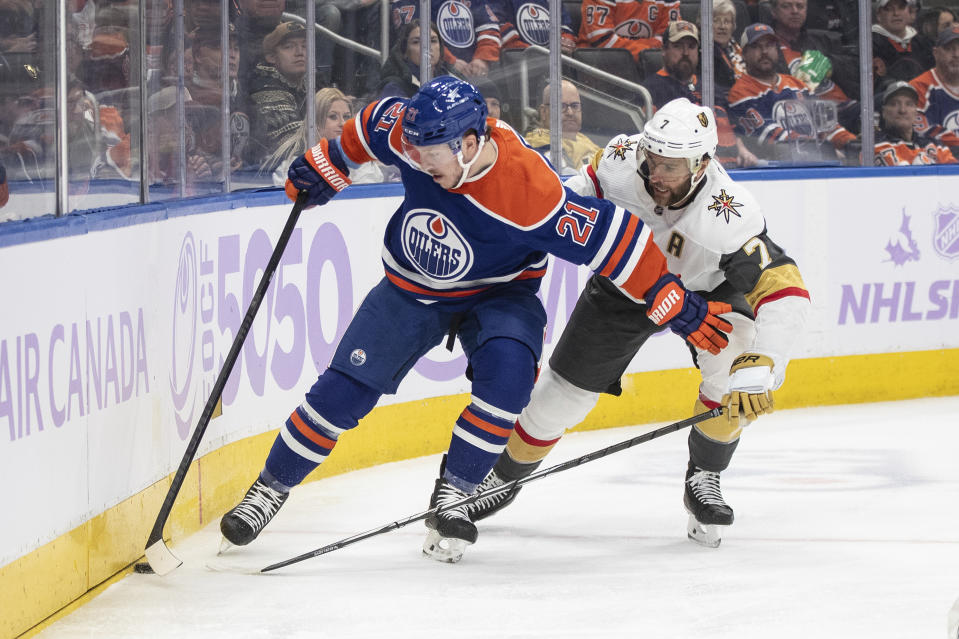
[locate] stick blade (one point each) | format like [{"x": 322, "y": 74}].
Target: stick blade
[{"x": 161, "y": 559}]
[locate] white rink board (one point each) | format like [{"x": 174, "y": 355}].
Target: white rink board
[{"x": 91, "y": 421}]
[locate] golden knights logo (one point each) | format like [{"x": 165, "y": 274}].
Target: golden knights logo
[
  {"x": 703, "y": 119},
  {"x": 724, "y": 204},
  {"x": 618, "y": 150},
  {"x": 434, "y": 246}
]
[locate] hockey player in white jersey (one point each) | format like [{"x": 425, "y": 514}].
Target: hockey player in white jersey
[{"x": 714, "y": 236}]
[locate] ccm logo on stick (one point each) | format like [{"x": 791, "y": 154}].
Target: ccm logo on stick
[{"x": 662, "y": 309}]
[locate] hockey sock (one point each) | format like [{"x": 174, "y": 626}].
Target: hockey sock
[
  {"x": 333, "y": 405},
  {"x": 706, "y": 446},
  {"x": 503, "y": 374}
]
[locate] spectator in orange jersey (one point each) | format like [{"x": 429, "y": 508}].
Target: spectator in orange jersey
[
  {"x": 897, "y": 143},
  {"x": 633, "y": 26},
  {"x": 938, "y": 91}
]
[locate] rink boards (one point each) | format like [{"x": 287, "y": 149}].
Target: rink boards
[{"x": 114, "y": 325}]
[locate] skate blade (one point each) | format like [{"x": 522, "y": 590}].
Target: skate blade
[
  {"x": 709, "y": 535},
  {"x": 225, "y": 545},
  {"x": 446, "y": 549}
]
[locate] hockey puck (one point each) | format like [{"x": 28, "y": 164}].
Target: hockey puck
[{"x": 143, "y": 568}]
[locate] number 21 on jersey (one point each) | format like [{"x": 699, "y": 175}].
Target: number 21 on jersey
[{"x": 577, "y": 223}]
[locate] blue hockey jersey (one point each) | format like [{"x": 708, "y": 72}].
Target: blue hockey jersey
[{"x": 500, "y": 225}]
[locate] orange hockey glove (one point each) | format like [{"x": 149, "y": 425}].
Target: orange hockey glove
[{"x": 687, "y": 314}]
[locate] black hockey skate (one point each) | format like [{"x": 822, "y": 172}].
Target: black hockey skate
[
  {"x": 243, "y": 522},
  {"x": 708, "y": 512},
  {"x": 486, "y": 506},
  {"x": 451, "y": 531}
]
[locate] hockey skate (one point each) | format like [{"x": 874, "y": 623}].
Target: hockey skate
[
  {"x": 243, "y": 522},
  {"x": 486, "y": 506},
  {"x": 451, "y": 531},
  {"x": 708, "y": 513}
]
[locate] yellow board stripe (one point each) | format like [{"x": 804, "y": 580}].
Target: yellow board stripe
[{"x": 51, "y": 581}]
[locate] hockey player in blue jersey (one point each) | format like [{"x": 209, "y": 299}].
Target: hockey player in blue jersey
[{"x": 464, "y": 255}]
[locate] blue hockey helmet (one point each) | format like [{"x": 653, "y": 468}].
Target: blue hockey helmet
[{"x": 443, "y": 111}]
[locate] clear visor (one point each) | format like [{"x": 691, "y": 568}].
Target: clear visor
[
  {"x": 427, "y": 157},
  {"x": 666, "y": 169}
]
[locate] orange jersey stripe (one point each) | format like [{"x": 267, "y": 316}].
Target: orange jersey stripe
[
  {"x": 309, "y": 433},
  {"x": 354, "y": 147},
  {"x": 413, "y": 288},
  {"x": 485, "y": 425},
  {"x": 613, "y": 262},
  {"x": 651, "y": 267}
]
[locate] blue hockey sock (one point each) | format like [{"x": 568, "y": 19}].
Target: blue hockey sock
[
  {"x": 503, "y": 373},
  {"x": 333, "y": 405}
]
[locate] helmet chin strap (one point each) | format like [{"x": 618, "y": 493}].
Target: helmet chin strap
[{"x": 466, "y": 166}]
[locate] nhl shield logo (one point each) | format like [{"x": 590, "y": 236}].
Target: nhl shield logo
[
  {"x": 945, "y": 232},
  {"x": 434, "y": 246}
]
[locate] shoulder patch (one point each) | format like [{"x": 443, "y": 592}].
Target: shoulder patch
[
  {"x": 618, "y": 149},
  {"x": 725, "y": 204}
]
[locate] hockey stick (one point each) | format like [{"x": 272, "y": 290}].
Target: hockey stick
[
  {"x": 558, "y": 468},
  {"x": 159, "y": 557}
]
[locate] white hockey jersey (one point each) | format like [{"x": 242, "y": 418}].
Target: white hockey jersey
[{"x": 719, "y": 235}]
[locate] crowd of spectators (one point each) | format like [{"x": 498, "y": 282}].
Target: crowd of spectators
[{"x": 786, "y": 85}]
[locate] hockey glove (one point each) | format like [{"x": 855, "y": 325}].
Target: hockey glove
[
  {"x": 750, "y": 382},
  {"x": 688, "y": 314},
  {"x": 321, "y": 172}
]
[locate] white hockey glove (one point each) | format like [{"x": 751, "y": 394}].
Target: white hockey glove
[{"x": 750, "y": 394}]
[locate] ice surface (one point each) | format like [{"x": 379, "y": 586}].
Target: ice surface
[{"x": 846, "y": 526}]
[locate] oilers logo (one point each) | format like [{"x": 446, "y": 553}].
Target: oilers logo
[
  {"x": 455, "y": 23},
  {"x": 634, "y": 30},
  {"x": 951, "y": 122},
  {"x": 434, "y": 246},
  {"x": 532, "y": 21}
]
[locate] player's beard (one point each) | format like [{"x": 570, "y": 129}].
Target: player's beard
[{"x": 667, "y": 195}]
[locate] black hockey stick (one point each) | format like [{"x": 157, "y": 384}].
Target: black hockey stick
[
  {"x": 558, "y": 468},
  {"x": 159, "y": 557}
]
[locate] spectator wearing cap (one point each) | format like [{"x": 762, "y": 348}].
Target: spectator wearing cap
[
  {"x": 753, "y": 98},
  {"x": 678, "y": 79},
  {"x": 896, "y": 51},
  {"x": 938, "y": 91},
  {"x": 206, "y": 85},
  {"x": 577, "y": 147},
  {"x": 633, "y": 26},
  {"x": 812, "y": 56},
  {"x": 400, "y": 74},
  {"x": 278, "y": 89},
  {"x": 491, "y": 94},
  {"x": 897, "y": 142}
]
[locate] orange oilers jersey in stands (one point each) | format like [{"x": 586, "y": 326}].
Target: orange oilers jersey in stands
[
  {"x": 633, "y": 25},
  {"x": 894, "y": 151},
  {"x": 500, "y": 225},
  {"x": 938, "y": 109},
  {"x": 718, "y": 236},
  {"x": 526, "y": 22},
  {"x": 751, "y": 104}
]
